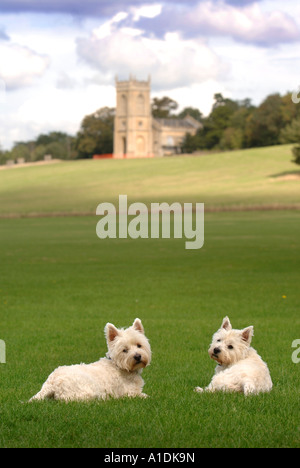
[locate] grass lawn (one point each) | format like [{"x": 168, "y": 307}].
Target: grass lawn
[
  {"x": 60, "y": 285},
  {"x": 239, "y": 178}
]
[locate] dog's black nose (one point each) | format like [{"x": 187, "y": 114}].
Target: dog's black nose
[
  {"x": 217, "y": 350},
  {"x": 137, "y": 357}
]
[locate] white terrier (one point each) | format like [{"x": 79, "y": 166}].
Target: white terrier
[
  {"x": 117, "y": 375},
  {"x": 240, "y": 368}
]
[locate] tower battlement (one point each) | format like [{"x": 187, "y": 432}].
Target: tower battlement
[{"x": 132, "y": 82}]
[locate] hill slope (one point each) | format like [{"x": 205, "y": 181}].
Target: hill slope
[{"x": 242, "y": 179}]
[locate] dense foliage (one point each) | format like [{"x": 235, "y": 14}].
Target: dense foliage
[
  {"x": 239, "y": 124},
  {"x": 230, "y": 125}
]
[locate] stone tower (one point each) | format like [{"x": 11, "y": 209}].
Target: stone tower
[{"x": 133, "y": 120}]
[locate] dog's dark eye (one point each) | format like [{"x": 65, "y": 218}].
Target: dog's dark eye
[
  {"x": 125, "y": 350},
  {"x": 218, "y": 341},
  {"x": 230, "y": 346},
  {"x": 139, "y": 346}
]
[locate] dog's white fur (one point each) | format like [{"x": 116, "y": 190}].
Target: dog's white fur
[
  {"x": 240, "y": 368},
  {"x": 117, "y": 375}
]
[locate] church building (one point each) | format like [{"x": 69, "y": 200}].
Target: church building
[{"x": 139, "y": 135}]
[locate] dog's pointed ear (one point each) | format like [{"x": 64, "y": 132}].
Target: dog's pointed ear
[
  {"x": 110, "y": 332},
  {"x": 247, "y": 334},
  {"x": 226, "y": 324},
  {"x": 137, "y": 325}
]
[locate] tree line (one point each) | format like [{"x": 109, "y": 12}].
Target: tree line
[
  {"x": 231, "y": 124},
  {"x": 239, "y": 124},
  {"x": 59, "y": 145}
]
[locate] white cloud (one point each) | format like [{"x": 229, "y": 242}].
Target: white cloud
[
  {"x": 20, "y": 66},
  {"x": 105, "y": 29},
  {"x": 247, "y": 24},
  {"x": 257, "y": 71},
  {"x": 171, "y": 61},
  {"x": 199, "y": 96},
  {"x": 164, "y": 41},
  {"x": 50, "y": 109},
  {"x": 60, "y": 104},
  {"x": 146, "y": 11}
]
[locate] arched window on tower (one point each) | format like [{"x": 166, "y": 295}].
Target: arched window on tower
[
  {"x": 123, "y": 105},
  {"x": 140, "y": 104}
]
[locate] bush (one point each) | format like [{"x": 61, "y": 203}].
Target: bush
[{"x": 296, "y": 153}]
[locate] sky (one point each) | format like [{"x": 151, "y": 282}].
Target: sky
[{"x": 59, "y": 58}]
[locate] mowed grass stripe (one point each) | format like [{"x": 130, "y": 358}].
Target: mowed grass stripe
[
  {"x": 254, "y": 177},
  {"x": 60, "y": 285}
]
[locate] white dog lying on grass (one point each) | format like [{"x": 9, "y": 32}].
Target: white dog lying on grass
[
  {"x": 117, "y": 375},
  {"x": 240, "y": 368}
]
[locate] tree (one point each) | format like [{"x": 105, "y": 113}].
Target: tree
[
  {"x": 296, "y": 153},
  {"x": 59, "y": 144},
  {"x": 238, "y": 122},
  {"x": 96, "y": 133},
  {"x": 265, "y": 123},
  {"x": 3, "y": 156},
  {"x": 224, "y": 128},
  {"x": 218, "y": 120},
  {"x": 232, "y": 138},
  {"x": 21, "y": 150},
  {"x": 291, "y": 134},
  {"x": 163, "y": 108},
  {"x": 189, "y": 143},
  {"x": 289, "y": 110},
  {"x": 193, "y": 112},
  {"x": 52, "y": 137}
]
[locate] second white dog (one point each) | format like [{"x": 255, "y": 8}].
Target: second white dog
[{"x": 240, "y": 368}]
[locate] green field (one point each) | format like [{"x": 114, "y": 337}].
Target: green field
[
  {"x": 60, "y": 285},
  {"x": 253, "y": 177}
]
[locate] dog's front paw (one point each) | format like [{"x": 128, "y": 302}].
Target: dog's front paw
[
  {"x": 198, "y": 389},
  {"x": 144, "y": 395},
  {"x": 249, "y": 389}
]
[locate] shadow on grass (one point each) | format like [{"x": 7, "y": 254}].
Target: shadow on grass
[{"x": 286, "y": 175}]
